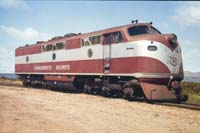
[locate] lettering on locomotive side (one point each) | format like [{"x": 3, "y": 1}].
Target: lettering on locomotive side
[
  {"x": 43, "y": 67},
  {"x": 62, "y": 67},
  {"x": 49, "y": 67}
]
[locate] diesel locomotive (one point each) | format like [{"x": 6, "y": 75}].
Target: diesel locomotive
[{"x": 134, "y": 61}]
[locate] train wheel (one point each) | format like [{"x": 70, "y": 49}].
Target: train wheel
[
  {"x": 127, "y": 90},
  {"x": 25, "y": 84},
  {"x": 87, "y": 89},
  {"x": 131, "y": 89},
  {"x": 105, "y": 91}
]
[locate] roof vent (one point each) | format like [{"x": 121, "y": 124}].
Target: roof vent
[
  {"x": 134, "y": 21},
  {"x": 56, "y": 37},
  {"x": 70, "y": 34},
  {"x": 40, "y": 41}
]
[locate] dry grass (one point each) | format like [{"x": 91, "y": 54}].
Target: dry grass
[
  {"x": 10, "y": 82},
  {"x": 192, "y": 90}
]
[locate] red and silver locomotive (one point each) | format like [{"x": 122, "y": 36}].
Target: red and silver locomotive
[{"x": 133, "y": 60}]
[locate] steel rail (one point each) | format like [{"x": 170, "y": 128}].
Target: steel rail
[{"x": 192, "y": 106}]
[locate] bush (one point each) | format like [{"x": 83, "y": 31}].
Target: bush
[
  {"x": 192, "y": 90},
  {"x": 3, "y": 77}
]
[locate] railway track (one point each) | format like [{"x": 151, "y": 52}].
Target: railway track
[{"x": 192, "y": 106}]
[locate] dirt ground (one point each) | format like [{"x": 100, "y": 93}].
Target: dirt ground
[{"x": 35, "y": 110}]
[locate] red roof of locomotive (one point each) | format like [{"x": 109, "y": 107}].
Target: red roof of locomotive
[{"x": 104, "y": 31}]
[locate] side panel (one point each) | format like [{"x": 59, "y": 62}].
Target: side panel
[
  {"x": 126, "y": 58},
  {"x": 35, "y": 49},
  {"x": 87, "y": 66},
  {"x": 118, "y": 65},
  {"x": 137, "y": 64}
]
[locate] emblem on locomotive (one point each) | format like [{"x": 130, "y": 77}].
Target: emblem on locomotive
[{"x": 173, "y": 61}]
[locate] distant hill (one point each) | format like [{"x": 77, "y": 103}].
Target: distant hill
[
  {"x": 8, "y": 75},
  {"x": 191, "y": 74}
]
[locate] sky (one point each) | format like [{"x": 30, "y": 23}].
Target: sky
[{"x": 25, "y": 22}]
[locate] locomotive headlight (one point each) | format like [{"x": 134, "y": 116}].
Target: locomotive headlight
[{"x": 152, "y": 48}]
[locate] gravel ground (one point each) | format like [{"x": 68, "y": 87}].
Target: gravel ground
[{"x": 41, "y": 111}]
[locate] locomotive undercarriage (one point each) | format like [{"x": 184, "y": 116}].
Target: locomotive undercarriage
[{"x": 110, "y": 86}]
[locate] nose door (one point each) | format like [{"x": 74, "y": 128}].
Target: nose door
[{"x": 107, "y": 53}]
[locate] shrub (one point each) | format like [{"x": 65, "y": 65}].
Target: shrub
[{"x": 192, "y": 90}]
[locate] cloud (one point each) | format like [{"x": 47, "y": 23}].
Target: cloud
[
  {"x": 188, "y": 13},
  {"x": 15, "y": 35},
  {"x": 190, "y": 54},
  {"x": 7, "y": 60},
  {"x": 19, "y": 4},
  {"x": 27, "y": 34}
]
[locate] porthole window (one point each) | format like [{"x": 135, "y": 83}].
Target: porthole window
[
  {"x": 54, "y": 56},
  {"x": 27, "y": 59},
  {"x": 89, "y": 53}
]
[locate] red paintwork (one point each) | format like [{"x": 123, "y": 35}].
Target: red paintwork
[
  {"x": 157, "y": 92},
  {"x": 75, "y": 67},
  {"x": 74, "y": 41},
  {"x": 59, "y": 78},
  {"x": 162, "y": 81},
  {"x": 27, "y": 50},
  {"x": 72, "y": 44},
  {"x": 118, "y": 65},
  {"x": 137, "y": 64}
]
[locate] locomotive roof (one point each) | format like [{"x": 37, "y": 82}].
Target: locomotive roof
[{"x": 104, "y": 31}]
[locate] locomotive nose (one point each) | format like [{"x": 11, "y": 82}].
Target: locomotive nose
[{"x": 172, "y": 40}]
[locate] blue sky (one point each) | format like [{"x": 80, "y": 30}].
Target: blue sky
[{"x": 25, "y": 22}]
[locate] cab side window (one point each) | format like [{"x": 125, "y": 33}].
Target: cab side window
[
  {"x": 117, "y": 37},
  {"x": 107, "y": 38},
  {"x": 92, "y": 40},
  {"x": 114, "y": 37},
  {"x": 60, "y": 45},
  {"x": 50, "y": 47}
]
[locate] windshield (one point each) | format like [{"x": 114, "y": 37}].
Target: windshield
[
  {"x": 137, "y": 30},
  {"x": 154, "y": 30}
]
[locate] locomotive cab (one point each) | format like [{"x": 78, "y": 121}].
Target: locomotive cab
[{"x": 160, "y": 62}]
